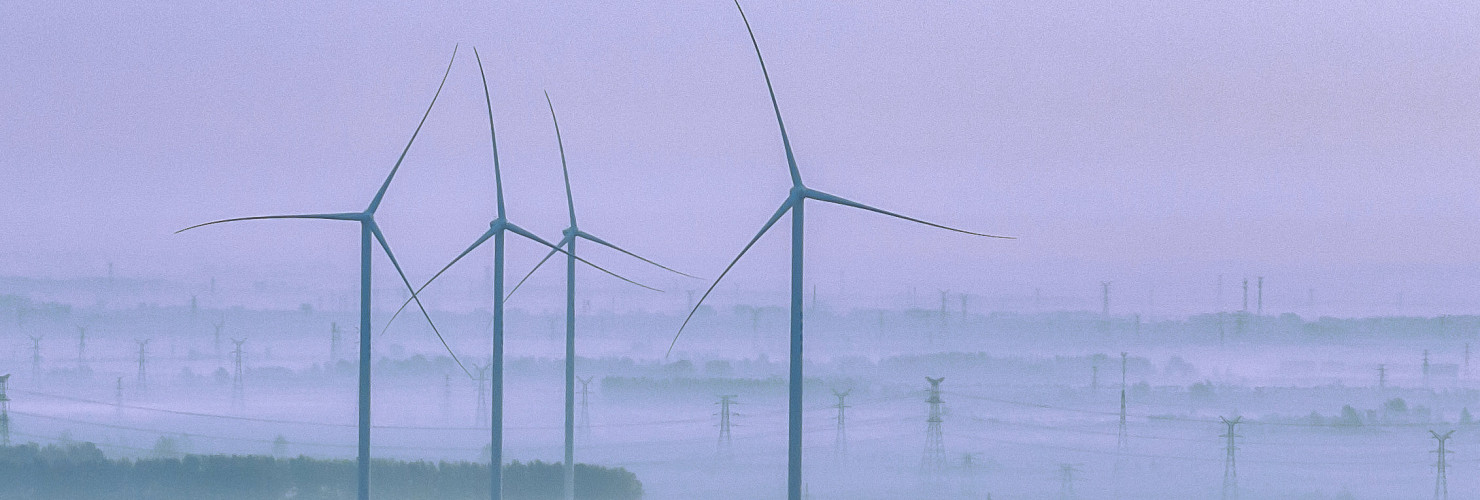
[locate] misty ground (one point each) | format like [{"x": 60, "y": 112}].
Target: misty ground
[{"x": 1025, "y": 394}]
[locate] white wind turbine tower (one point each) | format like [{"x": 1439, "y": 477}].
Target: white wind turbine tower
[
  {"x": 368, "y": 229},
  {"x": 794, "y": 203},
  {"x": 568, "y": 242},
  {"x": 496, "y": 230}
]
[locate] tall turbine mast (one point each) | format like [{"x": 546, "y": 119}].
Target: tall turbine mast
[
  {"x": 568, "y": 242},
  {"x": 369, "y": 230},
  {"x": 794, "y": 203},
  {"x": 496, "y": 231}
]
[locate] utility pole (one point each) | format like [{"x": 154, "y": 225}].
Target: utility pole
[
  {"x": 584, "y": 423},
  {"x": 1382, "y": 377},
  {"x": 935, "y": 450},
  {"x": 36, "y": 358},
  {"x": 143, "y": 382},
  {"x": 238, "y": 390},
  {"x": 81, "y": 346},
  {"x": 840, "y": 438},
  {"x": 1441, "y": 481},
  {"x": 1122, "y": 438},
  {"x": 1066, "y": 481},
  {"x": 4, "y": 412},
  {"x": 1230, "y": 463},
  {"x": 481, "y": 415},
  {"x": 725, "y": 447}
]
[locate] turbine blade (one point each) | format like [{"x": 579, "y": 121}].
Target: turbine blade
[
  {"x": 375, "y": 203},
  {"x": 532, "y": 270},
  {"x": 486, "y": 235},
  {"x": 498, "y": 178},
  {"x": 388, "y": 253},
  {"x": 521, "y": 232},
  {"x": 791, "y": 161},
  {"x": 821, "y": 196},
  {"x": 340, "y": 216},
  {"x": 569, "y": 200},
  {"x": 600, "y": 241},
  {"x": 775, "y": 217}
]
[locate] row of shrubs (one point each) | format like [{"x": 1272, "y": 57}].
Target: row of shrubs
[{"x": 80, "y": 471}]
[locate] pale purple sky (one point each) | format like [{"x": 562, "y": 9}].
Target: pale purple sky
[{"x": 1325, "y": 145}]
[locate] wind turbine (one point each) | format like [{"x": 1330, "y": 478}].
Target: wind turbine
[
  {"x": 496, "y": 230},
  {"x": 568, "y": 242},
  {"x": 368, "y": 229},
  {"x": 794, "y": 203}
]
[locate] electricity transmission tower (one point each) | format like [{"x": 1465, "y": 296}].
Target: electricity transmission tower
[
  {"x": 1259, "y": 308},
  {"x": 583, "y": 424},
  {"x": 1230, "y": 463},
  {"x": 725, "y": 447},
  {"x": 219, "y": 324},
  {"x": 1221, "y": 331},
  {"x": 1426, "y": 368},
  {"x": 118, "y": 398},
  {"x": 944, "y": 295},
  {"x": 1122, "y": 439},
  {"x": 1382, "y": 377},
  {"x": 840, "y": 439},
  {"x": 143, "y": 382},
  {"x": 1244, "y": 312},
  {"x": 335, "y": 339},
  {"x": 935, "y": 450},
  {"x": 81, "y": 346},
  {"x": 4, "y": 412},
  {"x": 1066, "y": 481},
  {"x": 238, "y": 391},
  {"x": 36, "y": 358},
  {"x": 1441, "y": 481},
  {"x": 1245, "y": 308},
  {"x": 481, "y": 417},
  {"x": 1105, "y": 299}
]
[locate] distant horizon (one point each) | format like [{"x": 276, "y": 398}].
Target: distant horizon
[{"x": 1319, "y": 146}]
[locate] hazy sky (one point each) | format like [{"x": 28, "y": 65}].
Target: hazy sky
[{"x": 1326, "y": 145}]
